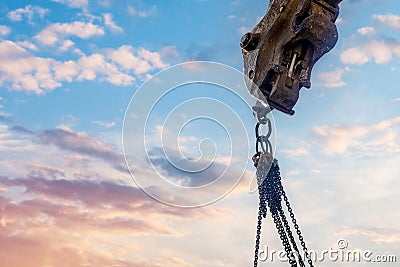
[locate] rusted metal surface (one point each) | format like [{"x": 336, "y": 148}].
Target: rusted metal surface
[{"x": 280, "y": 52}]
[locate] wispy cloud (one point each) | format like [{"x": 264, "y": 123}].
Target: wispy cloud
[
  {"x": 365, "y": 140},
  {"x": 74, "y": 3},
  {"x": 83, "y": 144},
  {"x": 104, "y": 123},
  {"x": 142, "y": 13},
  {"x": 390, "y": 20},
  {"x": 332, "y": 79},
  {"x": 109, "y": 23},
  {"x": 297, "y": 152},
  {"x": 56, "y": 32},
  {"x": 378, "y": 235},
  {"x": 78, "y": 215},
  {"x": 4, "y": 30},
  {"x": 21, "y": 129},
  {"x": 366, "y": 30},
  {"x": 28, "y": 12}
]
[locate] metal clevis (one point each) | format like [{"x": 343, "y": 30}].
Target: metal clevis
[{"x": 280, "y": 52}]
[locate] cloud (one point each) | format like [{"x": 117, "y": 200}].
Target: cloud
[
  {"x": 332, "y": 79},
  {"x": 139, "y": 60},
  {"x": 73, "y": 3},
  {"x": 63, "y": 222},
  {"x": 66, "y": 45},
  {"x": 366, "y": 140},
  {"x": 21, "y": 129},
  {"x": 108, "y": 22},
  {"x": 298, "y": 152},
  {"x": 39, "y": 170},
  {"x": 242, "y": 30},
  {"x": 142, "y": 13},
  {"x": 27, "y": 45},
  {"x": 170, "y": 53},
  {"x": 89, "y": 67},
  {"x": 199, "y": 172},
  {"x": 75, "y": 160},
  {"x": 354, "y": 56},
  {"x": 390, "y": 20},
  {"x": 378, "y": 235},
  {"x": 381, "y": 51},
  {"x": 366, "y": 30},
  {"x": 104, "y": 197},
  {"x": 56, "y": 32},
  {"x": 22, "y": 71},
  {"x": 4, "y": 30},
  {"x": 82, "y": 144},
  {"x": 104, "y": 123},
  {"x": 28, "y": 11}
]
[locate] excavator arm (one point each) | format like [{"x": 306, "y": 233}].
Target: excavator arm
[{"x": 280, "y": 52}]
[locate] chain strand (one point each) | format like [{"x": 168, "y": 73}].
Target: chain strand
[{"x": 271, "y": 194}]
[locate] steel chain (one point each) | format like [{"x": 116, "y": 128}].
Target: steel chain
[{"x": 271, "y": 194}]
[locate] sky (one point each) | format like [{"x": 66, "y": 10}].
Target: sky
[{"x": 68, "y": 72}]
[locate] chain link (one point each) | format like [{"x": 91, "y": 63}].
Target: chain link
[{"x": 271, "y": 194}]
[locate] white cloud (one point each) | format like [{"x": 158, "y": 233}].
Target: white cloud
[
  {"x": 366, "y": 30},
  {"x": 58, "y": 31},
  {"x": 90, "y": 67},
  {"x": 142, "y": 13},
  {"x": 108, "y": 22},
  {"x": 242, "y": 30},
  {"x": 65, "y": 71},
  {"x": 367, "y": 140},
  {"x": 66, "y": 45},
  {"x": 354, "y": 56},
  {"x": 298, "y": 152},
  {"x": 378, "y": 235},
  {"x": 292, "y": 173},
  {"x": 139, "y": 61},
  {"x": 105, "y": 3},
  {"x": 104, "y": 123},
  {"x": 4, "y": 30},
  {"x": 19, "y": 70},
  {"x": 27, "y": 45},
  {"x": 332, "y": 79},
  {"x": 390, "y": 20},
  {"x": 381, "y": 51},
  {"x": 153, "y": 57},
  {"x": 18, "y": 67},
  {"x": 73, "y": 3},
  {"x": 29, "y": 12},
  {"x": 170, "y": 53}
]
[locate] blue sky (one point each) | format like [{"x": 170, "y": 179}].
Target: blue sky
[{"x": 68, "y": 69}]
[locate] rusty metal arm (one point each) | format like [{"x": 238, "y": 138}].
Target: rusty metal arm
[{"x": 280, "y": 52}]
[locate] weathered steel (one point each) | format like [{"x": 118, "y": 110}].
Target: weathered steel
[{"x": 280, "y": 52}]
